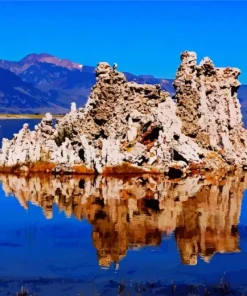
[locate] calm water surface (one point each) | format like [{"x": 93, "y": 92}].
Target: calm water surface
[{"x": 71, "y": 235}]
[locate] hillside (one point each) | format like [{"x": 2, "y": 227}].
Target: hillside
[
  {"x": 58, "y": 82},
  {"x": 17, "y": 96},
  {"x": 42, "y": 82}
]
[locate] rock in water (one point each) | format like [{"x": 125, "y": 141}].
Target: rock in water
[{"x": 130, "y": 128}]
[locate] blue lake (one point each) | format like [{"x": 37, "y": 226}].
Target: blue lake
[{"x": 85, "y": 235}]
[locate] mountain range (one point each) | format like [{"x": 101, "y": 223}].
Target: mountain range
[{"x": 42, "y": 82}]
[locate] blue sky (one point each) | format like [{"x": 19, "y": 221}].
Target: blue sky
[{"x": 142, "y": 37}]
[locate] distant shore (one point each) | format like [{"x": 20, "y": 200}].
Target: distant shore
[{"x": 27, "y": 116}]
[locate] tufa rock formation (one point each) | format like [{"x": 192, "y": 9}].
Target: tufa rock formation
[
  {"x": 130, "y": 128},
  {"x": 138, "y": 211},
  {"x": 208, "y": 106}
]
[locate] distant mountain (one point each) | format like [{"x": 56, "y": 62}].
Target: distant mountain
[
  {"x": 61, "y": 83},
  {"x": 32, "y": 59},
  {"x": 42, "y": 82},
  {"x": 18, "y": 96}
]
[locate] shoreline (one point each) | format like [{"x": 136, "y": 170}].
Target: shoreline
[
  {"x": 27, "y": 116},
  {"x": 29, "y": 285}
]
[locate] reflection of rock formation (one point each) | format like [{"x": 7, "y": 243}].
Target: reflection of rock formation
[
  {"x": 208, "y": 222},
  {"x": 137, "y": 211}
]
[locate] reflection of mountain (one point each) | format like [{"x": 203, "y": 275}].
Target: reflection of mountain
[{"x": 137, "y": 211}]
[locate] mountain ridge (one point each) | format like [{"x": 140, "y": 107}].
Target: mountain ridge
[{"x": 61, "y": 81}]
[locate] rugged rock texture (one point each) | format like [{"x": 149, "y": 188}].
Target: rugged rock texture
[
  {"x": 130, "y": 128},
  {"x": 137, "y": 211},
  {"x": 208, "y": 106},
  {"x": 31, "y": 146}
]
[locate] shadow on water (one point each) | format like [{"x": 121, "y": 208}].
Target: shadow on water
[{"x": 127, "y": 215}]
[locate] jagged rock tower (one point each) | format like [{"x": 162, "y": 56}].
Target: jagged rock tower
[{"x": 208, "y": 106}]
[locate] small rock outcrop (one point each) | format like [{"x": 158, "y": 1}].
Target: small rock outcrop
[{"x": 130, "y": 128}]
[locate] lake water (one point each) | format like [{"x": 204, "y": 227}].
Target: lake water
[{"x": 120, "y": 236}]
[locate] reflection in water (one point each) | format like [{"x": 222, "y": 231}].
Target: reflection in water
[{"x": 137, "y": 211}]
